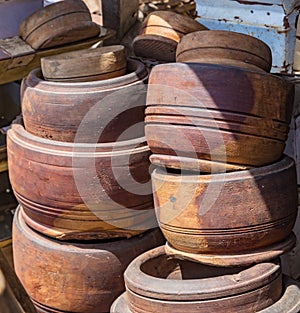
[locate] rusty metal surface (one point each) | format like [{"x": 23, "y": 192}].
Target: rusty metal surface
[{"x": 272, "y": 21}]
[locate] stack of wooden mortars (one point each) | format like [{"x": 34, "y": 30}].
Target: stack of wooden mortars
[
  {"x": 79, "y": 167},
  {"x": 224, "y": 193}
]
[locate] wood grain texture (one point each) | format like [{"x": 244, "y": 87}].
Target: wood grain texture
[
  {"x": 55, "y": 110},
  {"x": 74, "y": 277},
  {"x": 194, "y": 164},
  {"x": 225, "y": 47},
  {"x": 242, "y": 258},
  {"x": 160, "y": 33},
  {"x": 217, "y": 113},
  {"x": 289, "y": 302},
  {"x": 49, "y": 13},
  {"x": 81, "y": 191},
  {"x": 58, "y": 24},
  {"x": 229, "y": 213},
  {"x": 64, "y": 30},
  {"x": 177, "y": 22},
  {"x": 86, "y": 65},
  {"x": 119, "y": 15},
  {"x": 157, "y": 283},
  {"x": 155, "y": 47},
  {"x": 17, "y": 58}
]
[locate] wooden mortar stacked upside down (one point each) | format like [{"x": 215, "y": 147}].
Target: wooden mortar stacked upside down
[{"x": 224, "y": 193}]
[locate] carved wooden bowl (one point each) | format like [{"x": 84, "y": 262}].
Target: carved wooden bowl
[
  {"x": 202, "y": 113},
  {"x": 242, "y": 217},
  {"x": 225, "y": 47},
  {"x": 103, "y": 110},
  {"x": 74, "y": 277},
  {"x": 81, "y": 191},
  {"x": 157, "y": 283}
]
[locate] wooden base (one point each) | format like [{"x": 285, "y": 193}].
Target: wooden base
[
  {"x": 289, "y": 302},
  {"x": 193, "y": 164},
  {"x": 242, "y": 259}
]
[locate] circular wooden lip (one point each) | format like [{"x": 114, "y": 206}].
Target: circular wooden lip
[
  {"x": 73, "y": 247},
  {"x": 61, "y": 66},
  {"x": 65, "y": 234},
  {"x": 211, "y": 115},
  {"x": 226, "y": 39},
  {"x": 223, "y": 126},
  {"x": 220, "y": 67},
  {"x": 285, "y": 163},
  {"x": 230, "y": 260},
  {"x": 196, "y": 289},
  {"x": 137, "y": 70},
  {"x": 227, "y": 35},
  {"x": 51, "y": 243},
  {"x": 49, "y": 13},
  {"x": 226, "y": 62},
  {"x": 19, "y": 135},
  {"x": 84, "y": 215},
  {"x": 45, "y": 309},
  {"x": 192, "y": 164},
  {"x": 291, "y": 292}
]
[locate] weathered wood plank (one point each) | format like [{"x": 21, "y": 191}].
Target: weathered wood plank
[
  {"x": 119, "y": 15},
  {"x": 17, "y": 58},
  {"x": 8, "y": 302},
  {"x": 18, "y": 293}
]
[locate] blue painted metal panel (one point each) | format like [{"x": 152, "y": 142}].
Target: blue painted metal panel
[{"x": 272, "y": 21}]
